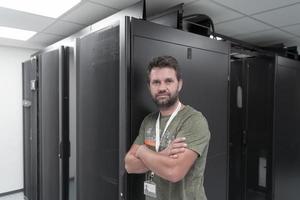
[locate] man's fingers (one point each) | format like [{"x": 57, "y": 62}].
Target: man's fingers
[
  {"x": 174, "y": 156},
  {"x": 179, "y": 145},
  {"x": 176, "y": 151},
  {"x": 178, "y": 140}
]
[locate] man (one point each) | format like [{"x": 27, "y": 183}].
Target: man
[{"x": 172, "y": 144}]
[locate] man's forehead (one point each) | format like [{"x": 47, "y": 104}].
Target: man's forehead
[{"x": 166, "y": 71}]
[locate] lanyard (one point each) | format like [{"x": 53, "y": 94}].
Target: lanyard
[{"x": 157, "y": 128}]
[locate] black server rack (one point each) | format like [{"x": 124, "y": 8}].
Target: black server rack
[
  {"x": 49, "y": 124},
  {"x": 101, "y": 111},
  {"x": 46, "y": 141},
  {"x": 286, "y": 130},
  {"x": 251, "y": 127},
  {"x": 98, "y": 115},
  {"x": 205, "y": 67},
  {"x": 263, "y": 140},
  {"x": 30, "y": 136}
]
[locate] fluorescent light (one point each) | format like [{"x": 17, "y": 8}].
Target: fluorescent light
[
  {"x": 49, "y": 8},
  {"x": 17, "y": 34}
]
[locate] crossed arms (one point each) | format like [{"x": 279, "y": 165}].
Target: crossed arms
[{"x": 172, "y": 163}]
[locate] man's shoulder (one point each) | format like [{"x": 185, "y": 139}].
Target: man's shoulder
[{"x": 191, "y": 112}]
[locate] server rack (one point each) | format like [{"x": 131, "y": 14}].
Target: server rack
[
  {"x": 64, "y": 184},
  {"x": 47, "y": 167},
  {"x": 251, "y": 127},
  {"x": 205, "y": 68},
  {"x": 30, "y": 136},
  {"x": 286, "y": 125},
  {"x": 100, "y": 142},
  {"x": 263, "y": 161}
]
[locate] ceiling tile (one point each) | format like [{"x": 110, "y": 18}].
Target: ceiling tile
[
  {"x": 240, "y": 26},
  {"x": 295, "y": 29},
  {"x": 117, "y": 4},
  {"x": 254, "y": 6},
  {"x": 63, "y": 28},
  {"x": 45, "y": 39},
  {"x": 268, "y": 37},
  {"x": 216, "y": 12},
  {"x": 22, "y": 20},
  {"x": 88, "y": 13},
  {"x": 281, "y": 17}
]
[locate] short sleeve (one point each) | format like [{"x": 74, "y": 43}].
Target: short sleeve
[
  {"x": 140, "y": 138},
  {"x": 195, "y": 130}
]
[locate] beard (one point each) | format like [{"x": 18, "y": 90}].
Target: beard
[{"x": 167, "y": 102}]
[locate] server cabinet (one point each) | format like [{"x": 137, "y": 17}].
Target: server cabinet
[
  {"x": 205, "y": 68},
  {"x": 237, "y": 122},
  {"x": 286, "y": 130},
  {"x": 52, "y": 123},
  {"x": 101, "y": 117},
  {"x": 45, "y": 93},
  {"x": 30, "y": 136},
  {"x": 259, "y": 127},
  {"x": 251, "y": 128}
]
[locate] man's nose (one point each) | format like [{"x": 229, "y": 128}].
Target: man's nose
[{"x": 162, "y": 87}]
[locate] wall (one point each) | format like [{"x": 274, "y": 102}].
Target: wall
[{"x": 11, "y": 127}]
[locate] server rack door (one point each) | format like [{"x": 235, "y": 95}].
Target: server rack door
[
  {"x": 72, "y": 123},
  {"x": 29, "y": 130},
  {"x": 98, "y": 115},
  {"x": 236, "y": 127},
  {"x": 251, "y": 128},
  {"x": 287, "y": 140},
  {"x": 49, "y": 125},
  {"x": 260, "y": 97},
  {"x": 64, "y": 142},
  {"x": 34, "y": 129},
  {"x": 205, "y": 82}
]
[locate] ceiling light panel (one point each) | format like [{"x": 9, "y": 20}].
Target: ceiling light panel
[
  {"x": 17, "y": 34},
  {"x": 49, "y": 8}
]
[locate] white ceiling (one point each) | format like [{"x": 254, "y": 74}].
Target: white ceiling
[{"x": 261, "y": 22}]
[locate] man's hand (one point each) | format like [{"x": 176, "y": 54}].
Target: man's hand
[{"x": 176, "y": 147}]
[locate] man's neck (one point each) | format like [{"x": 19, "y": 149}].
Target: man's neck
[{"x": 168, "y": 111}]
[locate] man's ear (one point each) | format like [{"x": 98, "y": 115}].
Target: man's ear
[{"x": 180, "y": 85}]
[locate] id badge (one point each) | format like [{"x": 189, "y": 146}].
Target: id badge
[{"x": 150, "y": 189}]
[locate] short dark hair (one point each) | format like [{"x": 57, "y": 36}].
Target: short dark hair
[{"x": 164, "y": 62}]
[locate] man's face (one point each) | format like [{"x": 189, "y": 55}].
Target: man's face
[{"x": 164, "y": 86}]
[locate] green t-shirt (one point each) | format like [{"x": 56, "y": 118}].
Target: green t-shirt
[{"x": 192, "y": 125}]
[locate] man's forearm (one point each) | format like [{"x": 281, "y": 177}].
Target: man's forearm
[
  {"x": 162, "y": 165},
  {"x": 135, "y": 165}
]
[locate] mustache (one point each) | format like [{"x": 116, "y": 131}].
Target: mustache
[{"x": 162, "y": 93}]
